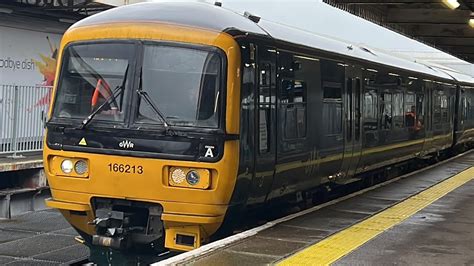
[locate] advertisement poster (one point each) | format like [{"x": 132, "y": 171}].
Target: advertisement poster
[
  {"x": 27, "y": 58},
  {"x": 28, "y": 62}
]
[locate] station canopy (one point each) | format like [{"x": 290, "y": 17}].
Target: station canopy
[
  {"x": 60, "y": 9},
  {"x": 447, "y": 25}
]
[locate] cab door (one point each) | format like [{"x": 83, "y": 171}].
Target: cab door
[
  {"x": 265, "y": 121},
  {"x": 352, "y": 119}
]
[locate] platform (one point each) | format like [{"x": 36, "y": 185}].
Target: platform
[
  {"x": 39, "y": 238},
  {"x": 32, "y": 160},
  {"x": 425, "y": 218}
]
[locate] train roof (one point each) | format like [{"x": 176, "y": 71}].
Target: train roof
[{"x": 208, "y": 16}]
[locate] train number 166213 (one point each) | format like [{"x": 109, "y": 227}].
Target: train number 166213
[{"x": 125, "y": 168}]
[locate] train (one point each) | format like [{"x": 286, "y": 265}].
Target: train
[{"x": 170, "y": 119}]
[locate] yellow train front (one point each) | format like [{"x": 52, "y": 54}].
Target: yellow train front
[{"x": 142, "y": 140}]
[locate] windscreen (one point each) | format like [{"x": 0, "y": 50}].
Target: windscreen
[
  {"x": 183, "y": 83},
  {"x": 91, "y": 74}
]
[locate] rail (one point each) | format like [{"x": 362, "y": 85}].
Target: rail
[{"x": 22, "y": 113}]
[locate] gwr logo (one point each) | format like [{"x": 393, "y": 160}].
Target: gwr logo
[{"x": 126, "y": 144}]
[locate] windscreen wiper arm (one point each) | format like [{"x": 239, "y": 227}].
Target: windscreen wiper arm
[
  {"x": 156, "y": 109},
  {"x": 111, "y": 99},
  {"x": 89, "y": 118}
]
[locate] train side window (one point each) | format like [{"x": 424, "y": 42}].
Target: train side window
[
  {"x": 420, "y": 111},
  {"x": 437, "y": 107},
  {"x": 370, "y": 110},
  {"x": 410, "y": 110},
  {"x": 293, "y": 102},
  {"x": 332, "y": 108},
  {"x": 349, "y": 107},
  {"x": 264, "y": 106},
  {"x": 444, "y": 109},
  {"x": 297, "y": 76},
  {"x": 398, "y": 115},
  {"x": 357, "y": 109},
  {"x": 386, "y": 110},
  {"x": 332, "y": 78}
]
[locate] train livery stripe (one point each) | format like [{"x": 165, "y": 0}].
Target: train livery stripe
[{"x": 340, "y": 244}]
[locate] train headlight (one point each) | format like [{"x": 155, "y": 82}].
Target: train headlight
[
  {"x": 187, "y": 177},
  {"x": 67, "y": 166},
  {"x": 81, "y": 167},
  {"x": 178, "y": 175},
  {"x": 193, "y": 177}
]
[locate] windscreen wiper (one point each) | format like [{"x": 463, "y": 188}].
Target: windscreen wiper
[
  {"x": 155, "y": 108},
  {"x": 110, "y": 100}
]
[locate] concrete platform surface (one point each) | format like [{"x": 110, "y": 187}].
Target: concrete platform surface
[
  {"x": 441, "y": 233},
  {"x": 39, "y": 238},
  {"x": 33, "y": 160}
]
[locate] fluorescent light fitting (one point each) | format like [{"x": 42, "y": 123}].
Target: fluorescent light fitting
[
  {"x": 6, "y": 10},
  {"x": 307, "y": 58},
  {"x": 471, "y": 22},
  {"x": 453, "y": 4}
]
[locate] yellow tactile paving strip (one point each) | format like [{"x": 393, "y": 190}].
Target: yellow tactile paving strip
[{"x": 340, "y": 244}]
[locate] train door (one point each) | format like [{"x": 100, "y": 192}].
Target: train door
[
  {"x": 265, "y": 150},
  {"x": 352, "y": 118},
  {"x": 428, "y": 123}
]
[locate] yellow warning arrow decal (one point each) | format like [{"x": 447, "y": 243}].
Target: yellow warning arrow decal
[{"x": 83, "y": 142}]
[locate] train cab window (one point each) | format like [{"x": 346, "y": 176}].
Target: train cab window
[
  {"x": 183, "y": 83},
  {"x": 370, "y": 110},
  {"x": 386, "y": 110},
  {"x": 90, "y": 75},
  {"x": 296, "y": 78}
]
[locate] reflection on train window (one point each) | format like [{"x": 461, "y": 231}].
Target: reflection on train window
[
  {"x": 464, "y": 108},
  {"x": 370, "y": 110},
  {"x": 357, "y": 109},
  {"x": 297, "y": 75},
  {"x": 444, "y": 109},
  {"x": 410, "y": 110},
  {"x": 437, "y": 109},
  {"x": 293, "y": 100},
  {"x": 332, "y": 108},
  {"x": 398, "y": 115},
  {"x": 264, "y": 106},
  {"x": 386, "y": 110},
  {"x": 420, "y": 111},
  {"x": 332, "y": 78}
]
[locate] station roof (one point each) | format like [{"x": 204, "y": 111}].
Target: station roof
[
  {"x": 428, "y": 21},
  {"x": 63, "y": 10}
]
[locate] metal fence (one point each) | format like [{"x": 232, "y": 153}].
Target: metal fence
[{"x": 22, "y": 112}]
